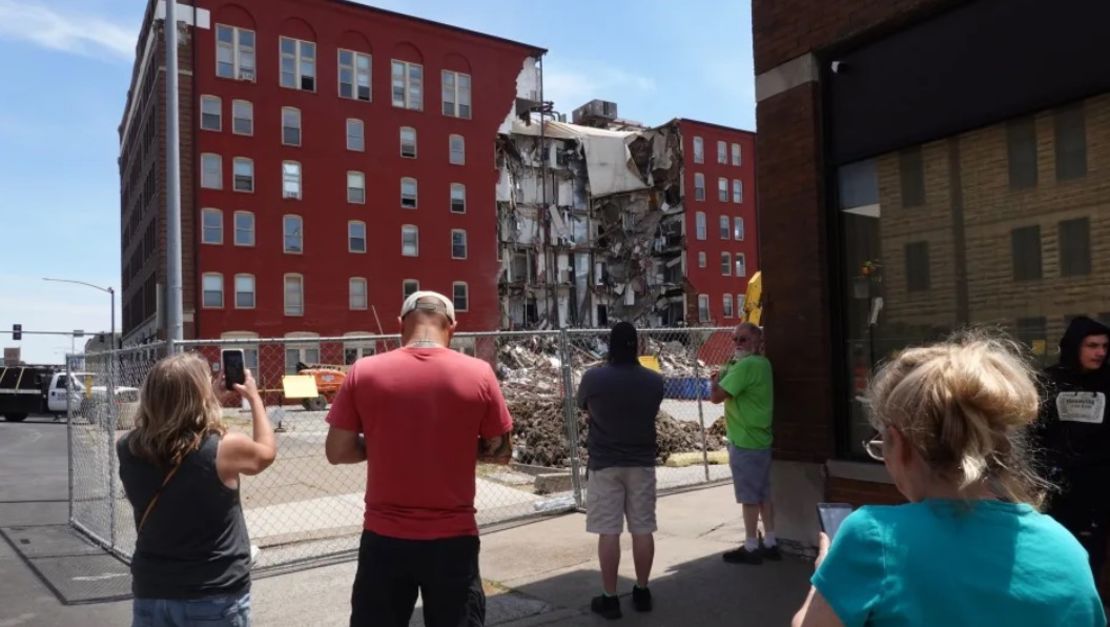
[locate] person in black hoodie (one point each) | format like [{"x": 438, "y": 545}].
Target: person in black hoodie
[{"x": 1075, "y": 437}]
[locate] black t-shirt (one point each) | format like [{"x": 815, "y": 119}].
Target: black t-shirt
[
  {"x": 623, "y": 402},
  {"x": 195, "y": 542}
]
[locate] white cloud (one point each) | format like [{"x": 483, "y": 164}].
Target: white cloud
[
  {"x": 570, "y": 88},
  {"x": 64, "y": 31}
]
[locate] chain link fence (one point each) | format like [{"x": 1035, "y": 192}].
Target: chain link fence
[{"x": 302, "y": 510}]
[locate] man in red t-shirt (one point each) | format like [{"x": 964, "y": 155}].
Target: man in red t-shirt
[{"x": 421, "y": 417}]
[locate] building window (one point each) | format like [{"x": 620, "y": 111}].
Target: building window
[
  {"x": 409, "y": 287},
  {"x": 291, "y": 126},
  {"x": 726, "y": 306},
  {"x": 702, "y": 260},
  {"x": 741, "y": 265},
  {"x": 212, "y": 286},
  {"x": 355, "y": 139},
  {"x": 1021, "y": 149},
  {"x": 242, "y": 117},
  {"x": 456, "y": 94},
  {"x": 356, "y": 188},
  {"x": 210, "y": 114},
  {"x": 292, "y": 234},
  {"x": 458, "y": 198},
  {"x": 290, "y": 179},
  {"x": 722, "y": 189},
  {"x": 354, "y": 75},
  {"x": 244, "y": 291},
  {"x": 699, "y": 186},
  {"x": 722, "y": 152},
  {"x": 408, "y": 193},
  {"x": 356, "y": 293},
  {"x": 737, "y": 191},
  {"x": 703, "y": 308},
  {"x": 457, "y": 150},
  {"x": 212, "y": 226},
  {"x": 740, "y": 300},
  {"x": 294, "y": 295},
  {"x": 410, "y": 241},
  {"x": 736, "y": 154},
  {"x": 917, "y": 267},
  {"x": 356, "y": 236},
  {"x": 1071, "y": 143},
  {"x": 460, "y": 293},
  {"x": 300, "y": 352},
  {"x": 211, "y": 171},
  {"x": 298, "y": 64},
  {"x": 1025, "y": 248},
  {"x": 408, "y": 85},
  {"x": 243, "y": 174},
  {"x": 700, "y": 226},
  {"x": 234, "y": 53},
  {"x": 724, "y": 224},
  {"x": 912, "y": 172},
  {"x": 1075, "y": 247},
  {"x": 738, "y": 229},
  {"x": 458, "y": 244},
  {"x": 1032, "y": 330},
  {"x": 726, "y": 264},
  {"x": 408, "y": 142},
  {"x": 244, "y": 228},
  {"x": 699, "y": 150}
]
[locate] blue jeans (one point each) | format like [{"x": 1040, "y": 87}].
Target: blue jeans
[{"x": 216, "y": 611}]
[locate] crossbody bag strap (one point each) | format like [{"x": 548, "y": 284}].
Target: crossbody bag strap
[{"x": 158, "y": 493}]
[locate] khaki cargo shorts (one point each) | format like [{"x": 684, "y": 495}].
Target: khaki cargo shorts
[{"x": 613, "y": 494}]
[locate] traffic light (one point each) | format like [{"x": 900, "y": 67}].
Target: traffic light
[{"x": 17, "y": 331}]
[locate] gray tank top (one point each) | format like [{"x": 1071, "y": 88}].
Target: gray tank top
[{"x": 195, "y": 542}]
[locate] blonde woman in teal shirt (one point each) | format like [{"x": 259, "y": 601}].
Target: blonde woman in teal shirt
[{"x": 970, "y": 547}]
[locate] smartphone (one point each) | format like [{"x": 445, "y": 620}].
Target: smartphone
[
  {"x": 831, "y": 516},
  {"x": 234, "y": 368}
]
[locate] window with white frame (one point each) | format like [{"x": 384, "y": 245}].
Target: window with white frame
[
  {"x": 408, "y": 142},
  {"x": 291, "y": 126},
  {"x": 726, "y": 306},
  {"x": 738, "y": 229},
  {"x": 702, "y": 261},
  {"x": 356, "y": 293},
  {"x": 722, "y": 152},
  {"x": 234, "y": 53},
  {"x": 458, "y": 244},
  {"x": 242, "y": 117},
  {"x": 460, "y": 296},
  {"x": 356, "y": 236},
  {"x": 736, "y": 154},
  {"x": 741, "y": 299},
  {"x": 294, "y": 295},
  {"x": 410, "y": 241},
  {"x": 457, "y": 145},
  {"x": 292, "y": 228},
  {"x": 244, "y": 228},
  {"x": 212, "y": 226},
  {"x": 725, "y": 233},
  {"x": 741, "y": 265},
  {"x": 726, "y": 264},
  {"x": 212, "y": 288},
  {"x": 699, "y": 186},
  {"x": 211, "y": 116},
  {"x": 356, "y": 187},
  {"x": 458, "y": 198},
  {"x": 409, "y": 287},
  {"x": 354, "y": 349},
  {"x": 242, "y": 170},
  {"x": 301, "y": 349},
  {"x": 298, "y": 64},
  {"x": 291, "y": 179},
  {"x": 737, "y": 191},
  {"x": 456, "y": 94},
  {"x": 244, "y": 291},
  {"x": 408, "y": 85},
  {"x": 355, "y": 137},
  {"x": 722, "y": 189},
  {"x": 703, "y": 308},
  {"x": 354, "y": 75},
  {"x": 211, "y": 171},
  {"x": 699, "y": 225},
  {"x": 408, "y": 193},
  {"x": 699, "y": 150}
]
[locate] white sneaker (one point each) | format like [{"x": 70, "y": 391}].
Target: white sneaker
[{"x": 255, "y": 552}]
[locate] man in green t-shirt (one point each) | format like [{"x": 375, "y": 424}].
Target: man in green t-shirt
[{"x": 744, "y": 386}]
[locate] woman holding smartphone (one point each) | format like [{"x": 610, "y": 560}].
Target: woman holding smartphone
[
  {"x": 180, "y": 469},
  {"x": 970, "y": 547}
]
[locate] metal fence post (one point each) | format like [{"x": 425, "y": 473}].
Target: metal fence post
[
  {"x": 696, "y": 344},
  {"x": 69, "y": 432},
  {"x": 110, "y": 435},
  {"x": 570, "y": 415}
]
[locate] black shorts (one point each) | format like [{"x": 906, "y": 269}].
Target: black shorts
[{"x": 391, "y": 571}]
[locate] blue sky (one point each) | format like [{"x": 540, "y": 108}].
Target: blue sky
[{"x": 67, "y": 66}]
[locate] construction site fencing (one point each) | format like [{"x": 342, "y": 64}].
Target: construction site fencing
[{"x": 303, "y": 510}]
